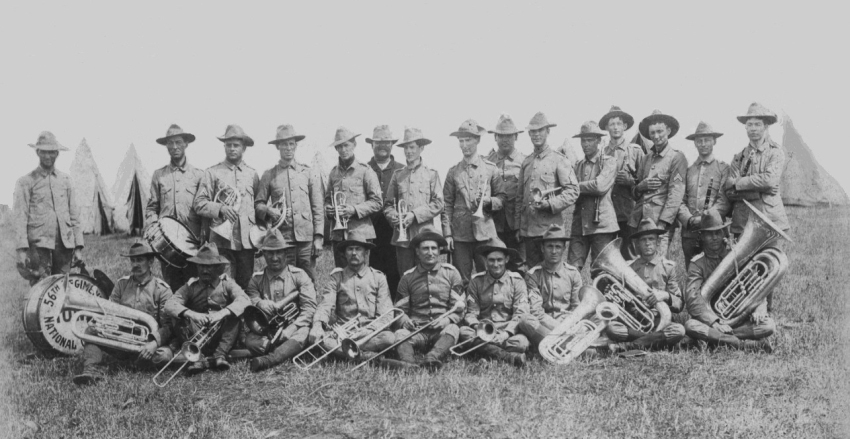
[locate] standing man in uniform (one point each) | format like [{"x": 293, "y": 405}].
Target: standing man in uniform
[
  {"x": 628, "y": 155},
  {"x": 362, "y": 191},
  {"x": 661, "y": 178},
  {"x": 703, "y": 189},
  {"x": 509, "y": 161},
  {"x": 594, "y": 219},
  {"x": 472, "y": 186},
  {"x": 384, "y": 165},
  {"x": 543, "y": 170},
  {"x": 173, "y": 190},
  {"x": 419, "y": 187},
  {"x": 48, "y": 236},
  {"x": 302, "y": 191},
  {"x": 231, "y": 224}
]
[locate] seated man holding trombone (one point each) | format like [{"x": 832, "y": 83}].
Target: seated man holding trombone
[
  {"x": 496, "y": 302},
  {"x": 284, "y": 301}
]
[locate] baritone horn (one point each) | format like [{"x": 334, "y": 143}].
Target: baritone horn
[
  {"x": 226, "y": 196},
  {"x": 191, "y": 351},
  {"x": 745, "y": 277},
  {"x": 403, "y": 209},
  {"x": 580, "y": 329},
  {"x": 485, "y": 332},
  {"x": 337, "y": 202},
  {"x": 272, "y": 324}
]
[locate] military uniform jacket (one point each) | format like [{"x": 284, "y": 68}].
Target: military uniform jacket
[
  {"x": 671, "y": 167},
  {"x": 45, "y": 210},
  {"x": 348, "y": 294},
  {"x": 427, "y": 294},
  {"x": 760, "y": 185},
  {"x": 544, "y": 169},
  {"x": 383, "y": 228},
  {"x": 149, "y": 297},
  {"x": 596, "y": 178},
  {"x": 700, "y": 175},
  {"x": 244, "y": 179},
  {"x": 660, "y": 274},
  {"x": 420, "y": 188},
  {"x": 628, "y": 156},
  {"x": 303, "y": 192},
  {"x": 203, "y": 298},
  {"x": 173, "y": 190},
  {"x": 509, "y": 167},
  {"x": 702, "y": 265},
  {"x": 266, "y": 286},
  {"x": 552, "y": 292},
  {"x": 362, "y": 191},
  {"x": 503, "y": 301},
  {"x": 464, "y": 181}
]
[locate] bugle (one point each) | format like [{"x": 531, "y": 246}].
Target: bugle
[
  {"x": 537, "y": 195},
  {"x": 226, "y": 196},
  {"x": 191, "y": 351},
  {"x": 403, "y": 209},
  {"x": 485, "y": 332},
  {"x": 482, "y": 189},
  {"x": 337, "y": 202}
]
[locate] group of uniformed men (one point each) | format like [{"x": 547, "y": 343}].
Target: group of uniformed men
[{"x": 503, "y": 224}]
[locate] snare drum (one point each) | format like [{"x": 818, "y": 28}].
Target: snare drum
[{"x": 173, "y": 242}]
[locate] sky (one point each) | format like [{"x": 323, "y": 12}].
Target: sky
[{"x": 117, "y": 74}]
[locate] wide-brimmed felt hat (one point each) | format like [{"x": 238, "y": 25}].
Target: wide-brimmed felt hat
[
  {"x": 711, "y": 220},
  {"x": 703, "y": 130},
  {"x": 286, "y": 132},
  {"x": 47, "y": 142},
  {"x": 469, "y": 127},
  {"x": 539, "y": 121},
  {"x": 647, "y": 227},
  {"x": 590, "y": 129},
  {"x": 354, "y": 238},
  {"x": 615, "y": 111},
  {"x": 505, "y": 126},
  {"x": 759, "y": 111},
  {"x": 555, "y": 232},
  {"x": 208, "y": 255},
  {"x": 341, "y": 136},
  {"x": 274, "y": 240},
  {"x": 236, "y": 132},
  {"x": 496, "y": 245},
  {"x": 381, "y": 133},
  {"x": 428, "y": 234},
  {"x": 656, "y": 117},
  {"x": 175, "y": 131},
  {"x": 413, "y": 135},
  {"x": 140, "y": 248}
]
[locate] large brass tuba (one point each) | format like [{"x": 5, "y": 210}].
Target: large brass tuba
[
  {"x": 748, "y": 273},
  {"x": 625, "y": 289},
  {"x": 579, "y": 329}
]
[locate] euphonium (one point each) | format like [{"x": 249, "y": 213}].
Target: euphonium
[
  {"x": 485, "y": 332},
  {"x": 578, "y": 330},
  {"x": 403, "y": 209},
  {"x": 262, "y": 323},
  {"x": 227, "y": 196},
  {"x": 191, "y": 351},
  {"x": 625, "y": 289},
  {"x": 337, "y": 201},
  {"x": 104, "y": 323},
  {"x": 748, "y": 273}
]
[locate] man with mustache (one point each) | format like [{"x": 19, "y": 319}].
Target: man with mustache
[{"x": 509, "y": 161}]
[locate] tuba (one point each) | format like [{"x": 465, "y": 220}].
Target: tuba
[
  {"x": 748, "y": 273},
  {"x": 403, "y": 209},
  {"x": 337, "y": 201},
  {"x": 227, "y": 196},
  {"x": 579, "y": 329},
  {"x": 485, "y": 332},
  {"x": 625, "y": 289}
]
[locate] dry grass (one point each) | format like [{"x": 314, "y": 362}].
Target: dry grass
[{"x": 799, "y": 391}]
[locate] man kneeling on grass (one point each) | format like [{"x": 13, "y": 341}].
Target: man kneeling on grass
[
  {"x": 141, "y": 291},
  {"x": 206, "y": 300}
]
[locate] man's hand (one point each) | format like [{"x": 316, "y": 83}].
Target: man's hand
[
  {"x": 408, "y": 219},
  {"x": 726, "y": 329},
  {"x": 316, "y": 333},
  {"x": 518, "y": 237},
  {"x": 450, "y": 243},
  {"x": 318, "y": 242},
  {"x": 758, "y": 316},
  {"x": 663, "y": 225},
  {"x": 218, "y": 316},
  {"x": 329, "y": 211},
  {"x": 266, "y": 306},
  {"x": 23, "y": 260},
  {"x": 542, "y": 205},
  {"x": 273, "y": 214},
  {"x": 197, "y": 318},
  {"x": 148, "y": 350},
  {"x": 650, "y": 300},
  {"x": 406, "y": 323},
  {"x": 487, "y": 202},
  {"x": 229, "y": 213},
  {"x": 78, "y": 255},
  {"x": 347, "y": 211},
  {"x": 650, "y": 184},
  {"x": 661, "y": 295},
  {"x": 500, "y": 337},
  {"x": 442, "y": 323},
  {"x": 394, "y": 219},
  {"x": 694, "y": 223},
  {"x": 623, "y": 178}
]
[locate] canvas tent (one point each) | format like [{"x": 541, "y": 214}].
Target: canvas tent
[
  {"x": 131, "y": 193},
  {"x": 93, "y": 199},
  {"x": 805, "y": 182}
]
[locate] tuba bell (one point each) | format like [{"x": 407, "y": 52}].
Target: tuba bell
[
  {"x": 748, "y": 273},
  {"x": 580, "y": 329},
  {"x": 621, "y": 286},
  {"x": 227, "y": 196}
]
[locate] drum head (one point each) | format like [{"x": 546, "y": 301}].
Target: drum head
[{"x": 179, "y": 236}]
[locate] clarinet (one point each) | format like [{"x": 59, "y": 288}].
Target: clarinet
[{"x": 706, "y": 205}]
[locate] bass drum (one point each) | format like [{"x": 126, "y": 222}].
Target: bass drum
[{"x": 47, "y": 324}]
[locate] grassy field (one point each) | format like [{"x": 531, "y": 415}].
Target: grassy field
[{"x": 801, "y": 390}]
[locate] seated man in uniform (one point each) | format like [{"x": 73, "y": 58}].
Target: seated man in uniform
[
  {"x": 660, "y": 274},
  {"x": 704, "y": 324},
  {"x": 356, "y": 291},
  {"x": 144, "y": 292},
  {"x": 204, "y": 301},
  {"x": 499, "y": 296},
  {"x": 266, "y": 290}
]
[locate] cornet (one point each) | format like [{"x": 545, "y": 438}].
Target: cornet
[
  {"x": 537, "y": 195},
  {"x": 485, "y": 332},
  {"x": 226, "y": 196},
  {"x": 403, "y": 209},
  {"x": 191, "y": 351},
  {"x": 337, "y": 202},
  {"x": 479, "y": 213}
]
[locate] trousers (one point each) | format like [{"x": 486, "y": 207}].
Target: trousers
[
  {"x": 48, "y": 262},
  {"x": 517, "y": 343},
  {"x": 241, "y": 265},
  {"x": 464, "y": 257},
  {"x": 627, "y": 249},
  {"x": 301, "y": 256},
  {"x": 426, "y": 338},
  {"x": 94, "y": 355},
  {"x": 378, "y": 343},
  {"x": 667, "y": 337},
  {"x": 593, "y": 244},
  {"x": 747, "y": 331},
  {"x": 219, "y": 344}
]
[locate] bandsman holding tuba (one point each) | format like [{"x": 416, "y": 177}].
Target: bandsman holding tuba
[{"x": 142, "y": 291}]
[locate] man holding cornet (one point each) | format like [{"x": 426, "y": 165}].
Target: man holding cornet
[{"x": 271, "y": 290}]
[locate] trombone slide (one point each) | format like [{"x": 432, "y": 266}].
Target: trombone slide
[
  {"x": 484, "y": 333},
  {"x": 191, "y": 351},
  {"x": 309, "y": 358}
]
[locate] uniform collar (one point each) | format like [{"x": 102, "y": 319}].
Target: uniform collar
[
  {"x": 281, "y": 275},
  {"x": 504, "y": 278},
  {"x": 418, "y": 165},
  {"x": 231, "y": 166},
  {"x": 543, "y": 151},
  {"x": 475, "y": 162},
  {"x": 182, "y": 167},
  {"x": 290, "y": 166},
  {"x": 663, "y": 152},
  {"x": 720, "y": 255},
  {"x": 390, "y": 164},
  {"x": 513, "y": 155},
  {"x": 421, "y": 269},
  {"x": 360, "y": 273},
  {"x": 44, "y": 173},
  {"x": 765, "y": 142},
  {"x": 595, "y": 157},
  {"x": 707, "y": 162},
  {"x": 621, "y": 145},
  {"x": 144, "y": 281},
  {"x": 346, "y": 166},
  {"x": 557, "y": 271},
  {"x": 654, "y": 261}
]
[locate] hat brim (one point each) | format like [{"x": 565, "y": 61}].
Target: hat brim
[
  {"x": 349, "y": 242},
  {"x": 428, "y": 236},
  {"x": 695, "y": 135},
  {"x": 221, "y": 260},
  {"x": 540, "y": 127},
  {"x": 245, "y": 139},
  {"x": 340, "y": 142},
  {"x": 597, "y": 135},
  {"x": 188, "y": 138},
  {"x": 485, "y": 250},
  {"x": 542, "y": 239},
  {"x": 770, "y": 120},
  {"x": 627, "y": 118},
  {"x": 505, "y": 133},
  {"x": 656, "y": 232},
  {"x": 725, "y": 225},
  {"x": 370, "y": 141},
  {"x": 465, "y": 133},
  {"x": 670, "y": 121},
  {"x": 420, "y": 142},
  {"x": 48, "y": 148},
  {"x": 297, "y": 138}
]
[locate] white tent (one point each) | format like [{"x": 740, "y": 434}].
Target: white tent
[
  {"x": 131, "y": 193},
  {"x": 90, "y": 191},
  {"x": 805, "y": 182}
]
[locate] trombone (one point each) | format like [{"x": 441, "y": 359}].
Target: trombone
[
  {"x": 191, "y": 351},
  {"x": 351, "y": 345},
  {"x": 338, "y": 201},
  {"x": 403, "y": 209},
  {"x": 314, "y": 354},
  {"x": 485, "y": 332}
]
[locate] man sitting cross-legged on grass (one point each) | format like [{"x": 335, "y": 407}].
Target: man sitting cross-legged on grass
[
  {"x": 144, "y": 292},
  {"x": 660, "y": 274},
  {"x": 357, "y": 291},
  {"x": 499, "y": 296},
  {"x": 266, "y": 289},
  {"x": 704, "y": 323},
  {"x": 205, "y": 300},
  {"x": 428, "y": 291}
]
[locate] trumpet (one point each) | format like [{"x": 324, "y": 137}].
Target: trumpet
[
  {"x": 191, "y": 351},
  {"x": 485, "y": 332},
  {"x": 226, "y": 196},
  {"x": 262, "y": 323},
  {"x": 403, "y": 209},
  {"x": 337, "y": 202},
  {"x": 537, "y": 195}
]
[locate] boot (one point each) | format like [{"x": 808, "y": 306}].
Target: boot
[
  {"x": 500, "y": 354},
  {"x": 220, "y": 364},
  {"x": 287, "y": 350},
  {"x": 441, "y": 347},
  {"x": 197, "y": 367},
  {"x": 90, "y": 375},
  {"x": 757, "y": 345}
]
